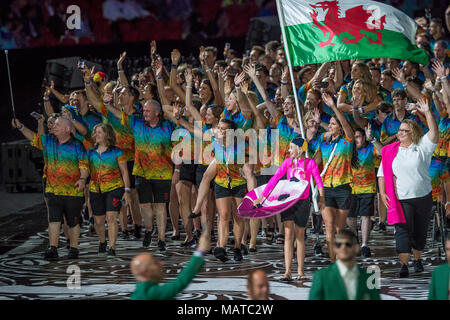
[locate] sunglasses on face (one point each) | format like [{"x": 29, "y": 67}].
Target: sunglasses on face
[{"x": 347, "y": 244}]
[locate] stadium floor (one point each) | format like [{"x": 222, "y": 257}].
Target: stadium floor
[{"x": 24, "y": 274}]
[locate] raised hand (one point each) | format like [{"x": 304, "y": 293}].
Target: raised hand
[
  {"x": 153, "y": 49},
  {"x": 175, "y": 55},
  {"x": 250, "y": 70},
  {"x": 316, "y": 115},
  {"x": 121, "y": 59},
  {"x": 188, "y": 76},
  {"x": 422, "y": 106},
  {"x": 158, "y": 68},
  {"x": 399, "y": 75},
  {"x": 356, "y": 101},
  {"x": 328, "y": 99},
  {"x": 438, "y": 68},
  {"x": 244, "y": 87},
  {"x": 238, "y": 78}
]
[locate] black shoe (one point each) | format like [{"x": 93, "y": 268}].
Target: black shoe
[
  {"x": 154, "y": 231},
  {"x": 73, "y": 253},
  {"x": 102, "y": 247},
  {"x": 244, "y": 249},
  {"x": 147, "y": 239},
  {"x": 68, "y": 244},
  {"x": 137, "y": 232},
  {"x": 220, "y": 254},
  {"x": 365, "y": 252},
  {"x": 381, "y": 226},
  {"x": 437, "y": 235},
  {"x": 237, "y": 254},
  {"x": 252, "y": 250},
  {"x": 51, "y": 253},
  {"x": 125, "y": 235},
  {"x": 318, "y": 250},
  {"x": 111, "y": 252},
  {"x": 404, "y": 271},
  {"x": 197, "y": 234},
  {"x": 189, "y": 244},
  {"x": 175, "y": 237},
  {"x": 372, "y": 224},
  {"x": 418, "y": 266},
  {"x": 161, "y": 246}
]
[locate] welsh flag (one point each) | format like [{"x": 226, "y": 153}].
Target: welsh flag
[{"x": 321, "y": 31}]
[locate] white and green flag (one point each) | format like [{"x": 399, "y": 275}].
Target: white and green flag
[{"x": 320, "y": 31}]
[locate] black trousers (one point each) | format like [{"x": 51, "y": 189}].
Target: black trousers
[{"x": 413, "y": 233}]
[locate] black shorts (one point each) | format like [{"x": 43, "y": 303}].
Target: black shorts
[
  {"x": 338, "y": 197},
  {"x": 299, "y": 213},
  {"x": 188, "y": 173},
  {"x": 362, "y": 205},
  {"x": 153, "y": 191},
  {"x": 236, "y": 192},
  {"x": 65, "y": 206},
  {"x": 130, "y": 165},
  {"x": 107, "y": 201},
  {"x": 262, "y": 180},
  {"x": 200, "y": 171},
  {"x": 44, "y": 185}
]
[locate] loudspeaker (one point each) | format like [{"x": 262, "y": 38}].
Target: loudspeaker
[
  {"x": 65, "y": 73},
  {"x": 262, "y": 30}
]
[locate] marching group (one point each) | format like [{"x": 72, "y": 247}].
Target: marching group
[{"x": 373, "y": 134}]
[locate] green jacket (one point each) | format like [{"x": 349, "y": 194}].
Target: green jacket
[
  {"x": 150, "y": 290},
  {"x": 328, "y": 285},
  {"x": 439, "y": 283}
]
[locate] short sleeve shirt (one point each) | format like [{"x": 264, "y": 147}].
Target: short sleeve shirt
[
  {"x": 153, "y": 147},
  {"x": 64, "y": 162},
  {"x": 104, "y": 169},
  {"x": 363, "y": 177},
  {"x": 410, "y": 166},
  {"x": 285, "y": 135}
]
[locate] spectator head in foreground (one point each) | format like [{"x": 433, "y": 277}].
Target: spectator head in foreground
[{"x": 258, "y": 285}]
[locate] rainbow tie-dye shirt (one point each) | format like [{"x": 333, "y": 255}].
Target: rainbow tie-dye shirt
[
  {"x": 104, "y": 169},
  {"x": 285, "y": 136},
  {"x": 229, "y": 173},
  {"x": 63, "y": 164},
  {"x": 124, "y": 136},
  {"x": 444, "y": 136},
  {"x": 364, "y": 179},
  {"x": 239, "y": 119},
  {"x": 391, "y": 124},
  {"x": 339, "y": 171},
  {"x": 153, "y": 147}
]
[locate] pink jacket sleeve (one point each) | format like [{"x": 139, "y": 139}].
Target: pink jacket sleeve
[
  {"x": 277, "y": 176},
  {"x": 316, "y": 174}
]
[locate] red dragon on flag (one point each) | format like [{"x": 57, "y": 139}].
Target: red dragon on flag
[{"x": 356, "y": 20}]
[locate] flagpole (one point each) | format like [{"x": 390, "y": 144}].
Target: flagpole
[
  {"x": 297, "y": 106},
  {"x": 288, "y": 60}
]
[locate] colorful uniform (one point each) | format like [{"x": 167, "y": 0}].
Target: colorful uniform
[
  {"x": 229, "y": 180},
  {"x": 239, "y": 119},
  {"x": 64, "y": 162},
  {"x": 285, "y": 135},
  {"x": 153, "y": 147},
  {"x": 363, "y": 177},
  {"x": 124, "y": 136},
  {"x": 106, "y": 186},
  {"x": 391, "y": 125},
  {"x": 339, "y": 171}
]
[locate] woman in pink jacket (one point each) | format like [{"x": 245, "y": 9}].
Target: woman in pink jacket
[{"x": 296, "y": 167}]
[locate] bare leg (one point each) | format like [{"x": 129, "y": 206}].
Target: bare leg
[
  {"x": 381, "y": 209},
  {"x": 288, "y": 246},
  {"x": 74, "y": 234},
  {"x": 185, "y": 196},
  {"x": 135, "y": 209},
  {"x": 238, "y": 224},
  {"x": 224, "y": 206},
  {"x": 328, "y": 217},
  {"x": 111, "y": 217},
  {"x": 365, "y": 229},
  {"x": 174, "y": 208},
  {"x": 53, "y": 233},
  {"x": 254, "y": 228},
  {"x": 147, "y": 214},
  {"x": 404, "y": 258},
  {"x": 99, "y": 225},
  {"x": 352, "y": 223},
  {"x": 300, "y": 239},
  {"x": 161, "y": 219},
  {"x": 341, "y": 218},
  {"x": 203, "y": 189}
]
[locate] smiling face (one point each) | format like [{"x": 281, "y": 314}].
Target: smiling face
[
  {"x": 209, "y": 117},
  {"x": 151, "y": 112},
  {"x": 295, "y": 151},
  {"x": 358, "y": 90},
  {"x": 73, "y": 100},
  {"x": 99, "y": 135},
  {"x": 386, "y": 81},
  {"x": 311, "y": 101},
  {"x": 288, "y": 107},
  {"x": 312, "y": 125},
  {"x": 204, "y": 91},
  {"x": 334, "y": 128},
  {"x": 360, "y": 138},
  {"x": 404, "y": 134},
  {"x": 399, "y": 103},
  {"x": 231, "y": 102}
]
